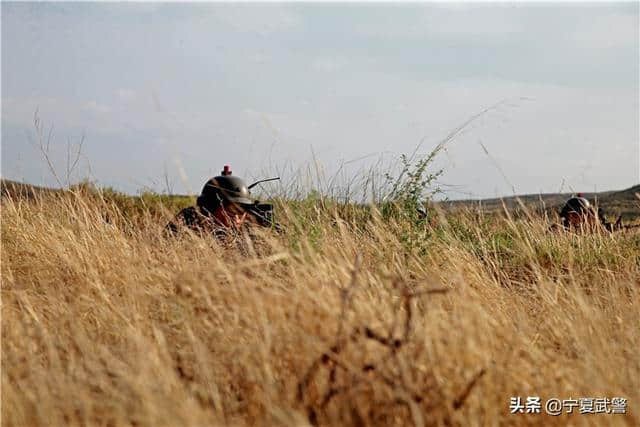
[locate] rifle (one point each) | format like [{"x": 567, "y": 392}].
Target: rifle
[{"x": 264, "y": 212}]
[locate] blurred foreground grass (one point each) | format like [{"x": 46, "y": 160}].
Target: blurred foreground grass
[{"x": 351, "y": 316}]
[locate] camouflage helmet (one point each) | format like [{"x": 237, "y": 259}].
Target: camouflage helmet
[
  {"x": 577, "y": 210},
  {"x": 224, "y": 187},
  {"x": 577, "y": 204}
]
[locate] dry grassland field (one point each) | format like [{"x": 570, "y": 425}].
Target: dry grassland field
[{"x": 351, "y": 315}]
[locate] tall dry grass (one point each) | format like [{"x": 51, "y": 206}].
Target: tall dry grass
[{"x": 345, "y": 318}]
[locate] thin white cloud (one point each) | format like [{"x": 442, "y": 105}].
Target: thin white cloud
[
  {"x": 95, "y": 107},
  {"x": 445, "y": 21},
  {"x": 262, "y": 19},
  {"x": 607, "y": 32},
  {"x": 259, "y": 58},
  {"x": 329, "y": 64},
  {"x": 126, "y": 94}
]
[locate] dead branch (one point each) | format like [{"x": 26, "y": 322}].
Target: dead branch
[
  {"x": 462, "y": 397},
  {"x": 392, "y": 375}
]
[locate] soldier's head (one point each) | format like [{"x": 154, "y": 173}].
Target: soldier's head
[{"x": 226, "y": 198}]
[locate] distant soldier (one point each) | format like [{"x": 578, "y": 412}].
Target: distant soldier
[
  {"x": 224, "y": 206},
  {"x": 578, "y": 212}
]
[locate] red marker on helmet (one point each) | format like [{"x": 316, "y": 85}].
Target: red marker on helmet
[{"x": 226, "y": 171}]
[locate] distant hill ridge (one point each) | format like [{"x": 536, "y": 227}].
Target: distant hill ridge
[
  {"x": 617, "y": 202},
  {"x": 628, "y": 193},
  {"x": 624, "y": 202}
]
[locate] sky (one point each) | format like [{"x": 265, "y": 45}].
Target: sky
[{"x": 163, "y": 95}]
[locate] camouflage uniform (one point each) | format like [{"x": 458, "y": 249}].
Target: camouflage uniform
[{"x": 194, "y": 218}]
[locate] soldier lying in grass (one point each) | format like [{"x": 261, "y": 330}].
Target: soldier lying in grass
[
  {"x": 577, "y": 213},
  {"x": 224, "y": 206}
]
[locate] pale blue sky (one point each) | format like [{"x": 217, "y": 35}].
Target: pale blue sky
[{"x": 190, "y": 87}]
